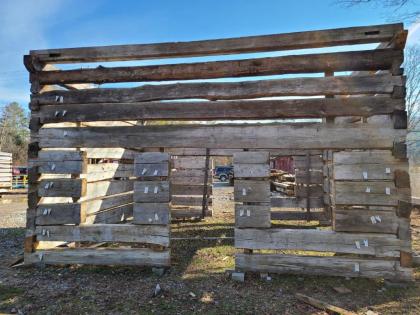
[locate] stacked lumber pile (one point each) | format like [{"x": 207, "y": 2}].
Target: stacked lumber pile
[
  {"x": 5, "y": 170},
  {"x": 283, "y": 182}
]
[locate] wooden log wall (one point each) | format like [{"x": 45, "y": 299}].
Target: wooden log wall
[
  {"x": 69, "y": 113},
  {"x": 190, "y": 185},
  {"x": 5, "y": 170}
]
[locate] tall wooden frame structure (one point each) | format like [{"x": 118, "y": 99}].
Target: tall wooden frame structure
[{"x": 84, "y": 139}]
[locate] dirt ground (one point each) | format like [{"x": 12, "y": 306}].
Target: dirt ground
[{"x": 197, "y": 282}]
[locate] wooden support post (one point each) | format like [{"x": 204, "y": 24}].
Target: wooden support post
[{"x": 206, "y": 177}]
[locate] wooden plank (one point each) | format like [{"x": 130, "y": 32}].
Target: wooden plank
[
  {"x": 355, "y": 193},
  {"x": 315, "y": 177},
  {"x": 251, "y": 191},
  {"x": 61, "y": 155},
  {"x": 152, "y": 191},
  {"x": 178, "y": 173},
  {"x": 100, "y": 256},
  {"x": 364, "y": 157},
  {"x": 108, "y": 188},
  {"x": 189, "y": 180},
  {"x": 117, "y": 214},
  {"x": 298, "y": 215},
  {"x": 151, "y": 213},
  {"x": 188, "y": 200},
  {"x": 309, "y": 136},
  {"x": 60, "y": 162},
  {"x": 103, "y": 171},
  {"x": 365, "y": 60},
  {"x": 323, "y": 305},
  {"x": 274, "y": 42},
  {"x": 251, "y": 170},
  {"x": 75, "y": 188},
  {"x": 368, "y": 171},
  {"x": 251, "y": 157},
  {"x": 151, "y": 157},
  {"x": 257, "y": 109},
  {"x": 107, "y": 202},
  {"x": 314, "y": 191},
  {"x": 366, "y": 221},
  {"x": 300, "y": 162},
  {"x": 151, "y": 170},
  {"x": 328, "y": 266},
  {"x": 293, "y": 202},
  {"x": 189, "y": 163},
  {"x": 190, "y": 189},
  {"x": 340, "y": 85},
  {"x": 385, "y": 245},
  {"x": 110, "y": 153},
  {"x": 154, "y": 234},
  {"x": 64, "y": 213},
  {"x": 256, "y": 216}
]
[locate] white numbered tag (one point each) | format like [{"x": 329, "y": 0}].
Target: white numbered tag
[
  {"x": 368, "y": 189},
  {"x": 387, "y": 190},
  {"x": 155, "y": 190},
  {"x": 243, "y": 192},
  {"x": 146, "y": 189}
]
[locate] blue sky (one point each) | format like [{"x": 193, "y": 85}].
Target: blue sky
[{"x": 39, "y": 24}]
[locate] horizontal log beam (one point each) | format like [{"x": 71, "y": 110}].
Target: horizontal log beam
[
  {"x": 283, "y": 136},
  {"x": 328, "y": 266},
  {"x": 254, "y": 109},
  {"x": 385, "y": 245},
  {"x": 158, "y": 235},
  {"x": 366, "y": 60},
  {"x": 286, "y": 41},
  {"x": 100, "y": 256},
  {"x": 340, "y": 85}
]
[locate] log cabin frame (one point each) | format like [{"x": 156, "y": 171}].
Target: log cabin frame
[{"x": 352, "y": 151}]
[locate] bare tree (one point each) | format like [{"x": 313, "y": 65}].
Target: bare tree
[
  {"x": 412, "y": 73},
  {"x": 397, "y": 6}
]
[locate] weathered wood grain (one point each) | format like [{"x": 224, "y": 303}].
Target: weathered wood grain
[
  {"x": 315, "y": 177},
  {"x": 286, "y": 136},
  {"x": 103, "y": 171},
  {"x": 189, "y": 200},
  {"x": 105, "y": 233},
  {"x": 100, "y": 256},
  {"x": 65, "y": 213},
  {"x": 274, "y": 42},
  {"x": 364, "y": 157},
  {"x": 150, "y": 157},
  {"x": 314, "y": 191},
  {"x": 340, "y": 85},
  {"x": 365, "y": 60},
  {"x": 152, "y": 191},
  {"x": 107, "y": 202},
  {"x": 205, "y": 110},
  {"x": 366, "y": 221},
  {"x": 117, "y": 214},
  {"x": 298, "y": 215},
  {"x": 251, "y": 157},
  {"x": 252, "y": 191},
  {"x": 368, "y": 171},
  {"x": 151, "y": 170},
  {"x": 190, "y": 189},
  {"x": 108, "y": 188},
  {"x": 386, "y": 245},
  {"x": 75, "y": 188},
  {"x": 366, "y": 193},
  {"x": 196, "y": 162},
  {"x": 251, "y": 170},
  {"x": 293, "y": 202},
  {"x": 255, "y": 216},
  {"x": 151, "y": 213},
  {"x": 328, "y": 266}
]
